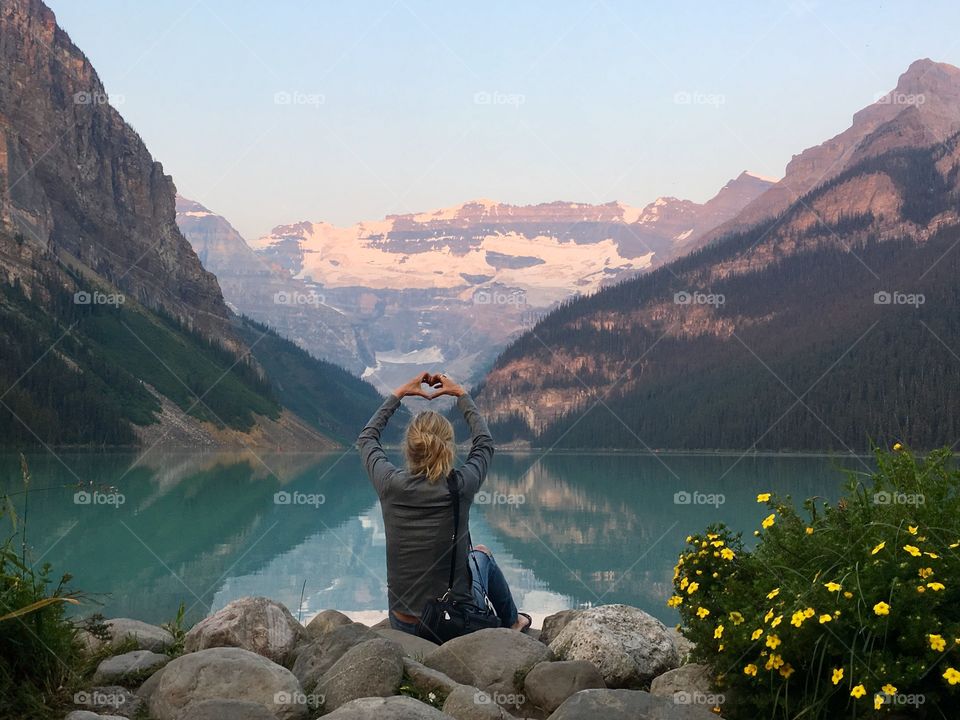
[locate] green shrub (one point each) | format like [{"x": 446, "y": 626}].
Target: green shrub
[{"x": 845, "y": 610}]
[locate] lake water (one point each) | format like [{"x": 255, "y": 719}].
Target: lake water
[{"x": 570, "y": 530}]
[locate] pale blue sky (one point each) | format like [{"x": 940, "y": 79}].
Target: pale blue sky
[{"x": 577, "y": 100}]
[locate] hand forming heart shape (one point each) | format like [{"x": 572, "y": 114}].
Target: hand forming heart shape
[{"x": 439, "y": 382}]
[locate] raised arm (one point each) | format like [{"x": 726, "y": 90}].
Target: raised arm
[{"x": 475, "y": 469}]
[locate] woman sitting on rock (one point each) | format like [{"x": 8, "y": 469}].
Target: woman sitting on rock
[{"x": 417, "y": 508}]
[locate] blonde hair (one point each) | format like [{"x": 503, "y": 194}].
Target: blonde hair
[{"x": 429, "y": 446}]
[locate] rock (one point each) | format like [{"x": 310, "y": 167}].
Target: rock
[
  {"x": 550, "y": 683},
  {"x": 147, "y": 637},
  {"x": 626, "y": 705},
  {"x": 494, "y": 659},
  {"x": 426, "y": 679},
  {"x": 87, "y": 715},
  {"x": 413, "y": 646},
  {"x": 90, "y": 643},
  {"x": 371, "y": 669},
  {"x": 627, "y": 645},
  {"x": 315, "y": 658},
  {"x": 227, "y": 672},
  {"x": 684, "y": 647},
  {"x": 109, "y": 700},
  {"x": 145, "y": 691},
  {"x": 553, "y": 624},
  {"x": 391, "y": 708},
  {"x": 133, "y": 665},
  {"x": 223, "y": 709},
  {"x": 470, "y": 703},
  {"x": 385, "y": 623},
  {"x": 256, "y": 624},
  {"x": 688, "y": 680},
  {"x": 325, "y": 621}
]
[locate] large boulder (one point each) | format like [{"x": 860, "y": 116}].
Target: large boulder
[
  {"x": 227, "y": 673},
  {"x": 550, "y": 683},
  {"x": 626, "y": 705},
  {"x": 131, "y": 666},
  {"x": 428, "y": 680},
  {"x": 495, "y": 660},
  {"x": 627, "y": 645},
  {"x": 391, "y": 708},
  {"x": 221, "y": 709},
  {"x": 147, "y": 637},
  {"x": 371, "y": 669},
  {"x": 685, "y": 647},
  {"x": 553, "y": 624},
  {"x": 145, "y": 691},
  {"x": 413, "y": 646},
  {"x": 470, "y": 703},
  {"x": 257, "y": 624},
  {"x": 325, "y": 621},
  {"x": 315, "y": 658}
]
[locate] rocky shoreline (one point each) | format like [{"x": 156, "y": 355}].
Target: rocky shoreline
[{"x": 253, "y": 660}]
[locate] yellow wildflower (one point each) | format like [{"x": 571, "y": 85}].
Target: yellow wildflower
[
  {"x": 674, "y": 601},
  {"x": 897, "y": 447},
  {"x": 692, "y": 588},
  {"x": 937, "y": 642},
  {"x": 776, "y": 621},
  {"x": 878, "y": 701},
  {"x": 833, "y": 587},
  {"x": 727, "y": 554},
  {"x": 915, "y": 551},
  {"x": 786, "y": 670},
  {"x": 751, "y": 670},
  {"x": 773, "y": 641},
  {"x": 718, "y": 632},
  {"x": 702, "y": 612},
  {"x": 756, "y": 633},
  {"x": 769, "y": 520},
  {"x": 773, "y": 662},
  {"x": 889, "y": 689},
  {"x": 809, "y": 531},
  {"x": 766, "y": 618},
  {"x": 763, "y": 497},
  {"x": 773, "y": 593},
  {"x": 912, "y": 529},
  {"x": 859, "y": 691},
  {"x": 798, "y": 618},
  {"x": 925, "y": 572},
  {"x": 736, "y": 618},
  {"x": 847, "y": 594},
  {"x": 837, "y": 675},
  {"x": 936, "y": 586},
  {"x": 881, "y": 608},
  {"x": 951, "y": 676},
  {"x": 825, "y": 618},
  {"x": 878, "y": 548},
  {"x": 809, "y": 612}
]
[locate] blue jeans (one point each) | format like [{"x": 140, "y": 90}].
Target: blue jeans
[{"x": 488, "y": 582}]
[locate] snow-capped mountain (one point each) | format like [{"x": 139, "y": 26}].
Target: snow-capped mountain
[{"x": 447, "y": 287}]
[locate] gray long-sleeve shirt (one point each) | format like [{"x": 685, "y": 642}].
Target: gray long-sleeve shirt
[{"x": 418, "y": 514}]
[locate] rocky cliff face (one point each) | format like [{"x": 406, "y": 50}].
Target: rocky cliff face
[
  {"x": 923, "y": 109},
  {"x": 77, "y": 183}
]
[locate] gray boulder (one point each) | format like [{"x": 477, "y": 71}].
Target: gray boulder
[
  {"x": 470, "y": 703},
  {"x": 553, "y": 624},
  {"x": 413, "y": 646},
  {"x": 145, "y": 691},
  {"x": 684, "y": 646},
  {"x": 109, "y": 700},
  {"x": 391, "y": 708},
  {"x": 227, "y": 673},
  {"x": 627, "y": 645},
  {"x": 550, "y": 683},
  {"x": 428, "y": 680},
  {"x": 325, "y": 621},
  {"x": 371, "y": 669},
  {"x": 626, "y": 705},
  {"x": 691, "y": 679},
  {"x": 495, "y": 659},
  {"x": 315, "y": 658},
  {"x": 257, "y": 624},
  {"x": 221, "y": 709},
  {"x": 133, "y": 665},
  {"x": 147, "y": 637}
]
